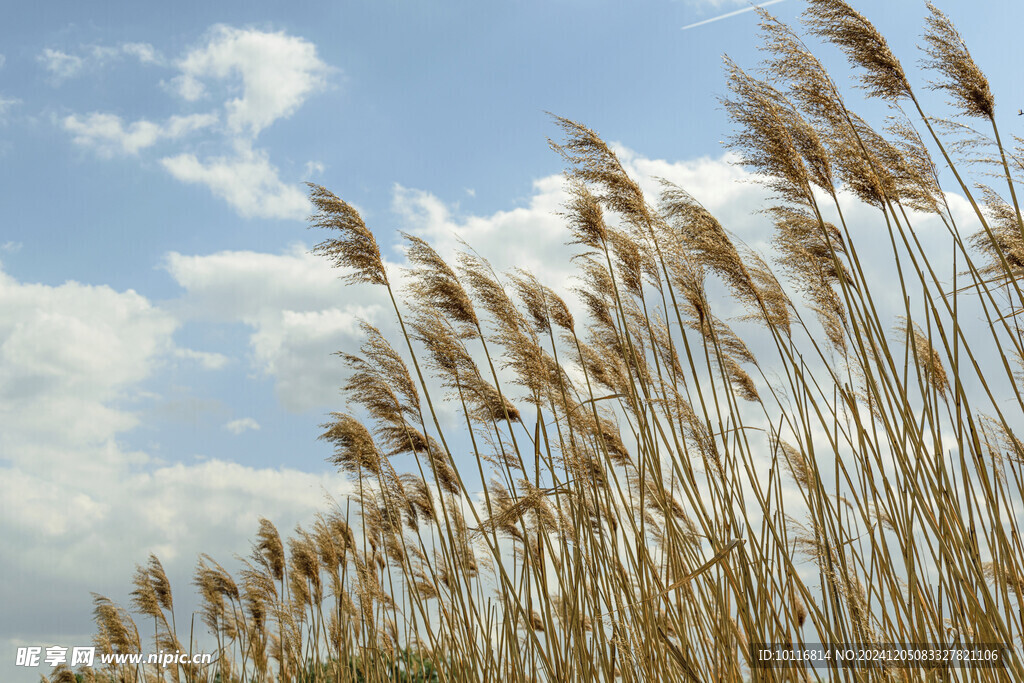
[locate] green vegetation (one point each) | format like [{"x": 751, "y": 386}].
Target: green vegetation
[{"x": 636, "y": 494}]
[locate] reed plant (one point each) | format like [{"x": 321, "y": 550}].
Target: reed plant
[{"x": 631, "y": 492}]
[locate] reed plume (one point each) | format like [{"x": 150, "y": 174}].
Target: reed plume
[
  {"x": 947, "y": 54},
  {"x": 355, "y": 248}
]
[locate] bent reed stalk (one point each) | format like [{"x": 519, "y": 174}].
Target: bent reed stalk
[{"x": 632, "y": 493}]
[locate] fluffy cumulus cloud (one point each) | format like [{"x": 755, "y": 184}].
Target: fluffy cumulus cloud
[
  {"x": 246, "y": 286},
  {"x": 246, "y": 180},
  {"x": 108, "y": 134},
  {"x": 531, "y": 237},
  {"x": 278, "y": 72},
  {"x": 296, "y": 308},
  {"x": 721, "y": 184},
  {"x": 66, "y": 352},
  {"x": 275, "y": 73},
  {"x": 76, "y": 502}
]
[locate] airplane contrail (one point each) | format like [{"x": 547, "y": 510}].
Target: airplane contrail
[{"x": 731, "y": 14}]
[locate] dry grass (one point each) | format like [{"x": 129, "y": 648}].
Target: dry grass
[{"x": 644, "y": 498}]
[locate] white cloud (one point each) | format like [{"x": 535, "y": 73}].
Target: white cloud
[
  {"x": 11, "y": 247},
  {"x": 63, "y": 539},
  {"x": 246, "y": 180},
  {"x": 278, "y": 72},
  {"x": 72, "y": 349},
  {"x": 144, "y": 52},
  {"x": 531, "y": 237},
  {"x": 289, "y": 346},
  {"x": 247, "y": 285},
  {"x": 241, "y": 425},
  {"x": 64, "y": 65},
  {"x": 209, "y": 361},
  {"x": 78, "y": 508},
  {"x": 102, "y": 54},
  {"x": 108, "y": 134},
  {"x": 60, "y": 64},
  {"x": 312, "y": 168},
  {"x": 297, "y": 308}
]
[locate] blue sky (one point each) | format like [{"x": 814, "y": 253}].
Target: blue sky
[{"x": 165, "y": 336}]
